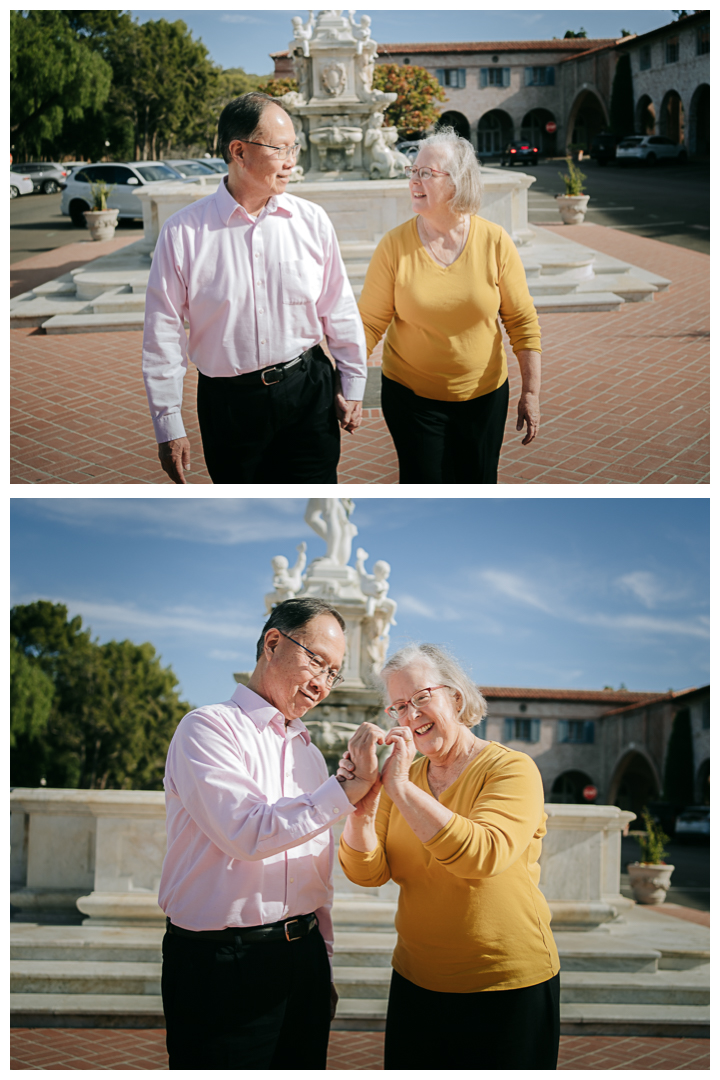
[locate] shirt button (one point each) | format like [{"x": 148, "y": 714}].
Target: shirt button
[
  {"x": 263, "y": 341},
  {"x": 336, "y": 809},
  {"x": 261, "y": 311},
  {"x": 259, "y": 282},
  {"x": 257, "y": 254}
]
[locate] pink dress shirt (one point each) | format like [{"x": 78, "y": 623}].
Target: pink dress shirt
[
  {"x": 249, "y": 809},
  {"x": 255, "y": 292}
]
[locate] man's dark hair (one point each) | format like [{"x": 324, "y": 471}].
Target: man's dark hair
[
  {"x": 240, "y": 119},
  {"x": 292, "y": 615}
]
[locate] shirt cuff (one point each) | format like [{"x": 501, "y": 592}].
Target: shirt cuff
[
  {"x": 353, "y": 388},
  {"x": 168, "y": 427},
  {"x": 331, "y": 802}
]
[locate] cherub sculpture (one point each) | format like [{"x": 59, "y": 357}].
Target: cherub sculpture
[
  {"x": 302, "y": 32},
  {"x": 361, "y": 31},
  {"x": 375, "y": 586},
  {"x": 286, "y": 583}
]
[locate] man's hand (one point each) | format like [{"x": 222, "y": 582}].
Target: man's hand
[
  {"x": 528, "y": 413},
  {"x": 397, "y": 766},
  {"x": 175, "y": 458},
  {"x": 349, "y": 413},
  {"x": 333, "y": 1000}
]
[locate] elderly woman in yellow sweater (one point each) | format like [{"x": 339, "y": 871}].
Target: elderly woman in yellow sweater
[
  {"x": 475, "y": 981},
  {"x": 437, "y": 284}
]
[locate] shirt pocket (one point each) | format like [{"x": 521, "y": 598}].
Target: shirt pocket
[{"x": 300, "y": 282}]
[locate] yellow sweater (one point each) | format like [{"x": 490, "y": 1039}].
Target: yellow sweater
[
  {"x": 443, "y": 339},
  {"x": 471, "y": 915}
]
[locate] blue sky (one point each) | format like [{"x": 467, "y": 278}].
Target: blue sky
[
  {"x": 239, "y": 37},
  {"x": 573, "y": 592}
]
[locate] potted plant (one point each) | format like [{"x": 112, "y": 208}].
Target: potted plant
[
  {"x": 573, "y": 204},
  {"x": 101, "y": 221},
  {"x": 650, "y": 878}
]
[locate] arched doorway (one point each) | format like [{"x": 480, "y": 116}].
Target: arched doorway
[
  {"x": 455, "y": 120},
  {"x": 533, "y": 128},
  {"x": 568, "y": 787},
  {"x": 703, "y": 784},
  {"x": 495, "y": 131},
  {"x": 633, "y": 784},
  {"x": 700, "y": 121},
  {"x": 672, "y": 117},
  {"x": 645, "y": 116},
  {"x": 588, "y": 116}
]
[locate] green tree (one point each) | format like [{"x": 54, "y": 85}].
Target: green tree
[
  {"x": 113, "y": 709},
  {"x": 276, "y": 87},
  {"x": 622, "y": 109},
  {"x": 418, "y": 92},
  {"x": 678, "y": 781},
  {"x": 232, "y": 83},
  {"x": 31, "y": 697},
  {"x": 581, "y": 33},
  {"x": 54, "y": 77}
]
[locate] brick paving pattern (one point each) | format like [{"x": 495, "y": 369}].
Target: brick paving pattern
[
  {"x": 86, "y": 1048},
  {"x": 625, "y": 395}
]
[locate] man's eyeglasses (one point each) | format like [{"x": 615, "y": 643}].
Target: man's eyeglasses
[
  {"x": 423, "y": 173},
  {"x": 281, "y": 153},
  {"x": 398, "y": 709},
  {"x": 316, "y": 664}
]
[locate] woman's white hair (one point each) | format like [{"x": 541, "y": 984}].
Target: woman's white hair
[
  {"x": 462, "y": 164},
  {"x": 447, "y": 672}
]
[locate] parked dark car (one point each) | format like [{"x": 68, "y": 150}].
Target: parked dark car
[
  {"x": 45, "y": 175},
  {"x": 693, "y": 824},
  {"x": 603, "y": 147},
  {"x": 521, "y": 151},
  {"x": 409, "y": 147}
]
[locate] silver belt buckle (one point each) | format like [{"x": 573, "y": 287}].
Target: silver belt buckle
[{"x": 264, "y": 381}]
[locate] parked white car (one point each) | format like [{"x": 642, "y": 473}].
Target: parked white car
[
  {"x": 649, "y": 148},
  {"x": 19, "y": 184},
  {"x": 693, "y": 822},
  {"x": 215, "y": 163},
  {"x": 125, "y": 178}
]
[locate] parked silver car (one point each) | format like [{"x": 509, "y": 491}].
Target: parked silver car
[
  {"x": 190, "y": 168},
  {"x": 125, "y": 179},
  {"x": 650, "y": 149},
  {"x": 45, "y": 175},
  {"x": 216, "y": 163},
  {"x": 20, "y": 184}
]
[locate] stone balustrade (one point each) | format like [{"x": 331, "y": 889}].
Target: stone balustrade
[{"x": 102, "y": 851}]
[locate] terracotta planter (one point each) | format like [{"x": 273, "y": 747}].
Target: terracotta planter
[
  {"x": 572, "y": 208},
  {"x": 650, "y": 881},
  {"x": 101, "y": 223}
]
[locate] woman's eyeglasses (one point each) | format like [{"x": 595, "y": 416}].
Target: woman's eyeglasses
[{"x": 423, "y": 173}]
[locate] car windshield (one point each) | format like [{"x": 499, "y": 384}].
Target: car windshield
[
  {"x": 193, "y": 168},
  {"x": 216, "y": 166},
  {"x": 156, "y": 172},
  {"x": 633, "y": 142}
]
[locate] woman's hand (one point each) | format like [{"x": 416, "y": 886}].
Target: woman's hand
[
  {"x": 397, "y": 766},
  {"x": 362, "y": 751},
  {"x": 528, "y": 413}
]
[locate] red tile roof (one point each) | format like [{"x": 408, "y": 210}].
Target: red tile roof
[
  {"x": 609, "y": 697},
  {"x": 571, "y": 45}
]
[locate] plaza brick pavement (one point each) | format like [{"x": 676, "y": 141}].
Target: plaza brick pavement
[
  {"x": 625, "y": 394},
  {"x": 84, "y": 1048}
]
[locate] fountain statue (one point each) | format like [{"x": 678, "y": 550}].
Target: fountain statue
[
  {"x": 362, "y": 599},
  {"x": 335, "y": 108}
]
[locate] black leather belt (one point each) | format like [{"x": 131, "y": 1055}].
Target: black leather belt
[
  {"x": 270, "y": 376},
  {"x": 285, "y": 930}
]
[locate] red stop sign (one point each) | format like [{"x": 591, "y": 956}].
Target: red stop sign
[
  {"x": 551, "y": 127},
  {"x": 590, "y": 793}
]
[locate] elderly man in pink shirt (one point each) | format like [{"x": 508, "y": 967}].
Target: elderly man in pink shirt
[
  {"x": 247, "y": 880},
  {"x": 257, "y": 275}
]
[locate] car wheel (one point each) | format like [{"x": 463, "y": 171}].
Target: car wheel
[
  {"x": 682, "y": 157},
  {"x": 13, "y": 192},
  {"x": 77, "y": 210},
  {"x": 650, "y": 159},
  {"x": 49, "y": 187}
]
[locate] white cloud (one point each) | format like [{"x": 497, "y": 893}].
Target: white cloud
[
  {"x": 411, "y": 604},
  {"x": 224, "y": 654},
  {"x": 236, "y": 17},
  {"x": 211, "y": 521},
  {"x": 515, "y": 588},
  {"x": 109, "y": 617},
  {"x": 642, "y": 584},
  {"x": 647, "y": 624}
]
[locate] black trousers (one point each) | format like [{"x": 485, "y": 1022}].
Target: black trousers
[
  {"x": 493, "y": 1029},
  {"x": 235, "y": 1006},
  {"x": 284, "y": 433},
  {"x": 445, "y": 442}
]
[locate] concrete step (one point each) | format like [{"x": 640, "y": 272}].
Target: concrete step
[
  {"x": 98, "y": 943},
  {"x": 94, "y": 324},
  {"x": 359, "y": 915},
  {"x": 91, "y": 284},
  {"x": 357, "y": 249},
  {"x": 363, "y": 950},
  {"x": 37, "y": 310},
  {"x": 87, "y": 1010},
  {"x": 591, "y": 301},
  {"x": 607, "y": 957},
  {"x": 673, "y": 1021},
  {"x": 360, "y": 1014},
  {"x": 125, "y": 302},
  {"x": 83, "y": 977},
  {"x": 636, "y": 988},
  {"x": 362, "y": 982},
  {"x": 631, "y": 288}
]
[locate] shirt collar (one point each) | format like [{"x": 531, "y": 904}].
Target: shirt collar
[
  {"x": 262, "y": 713},
  {"x": 227, "y": 206}
]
